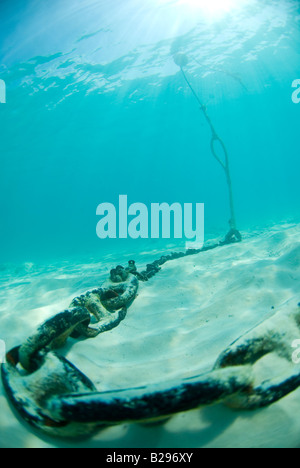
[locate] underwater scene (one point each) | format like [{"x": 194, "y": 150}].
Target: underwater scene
[{"x": 150, "y": 224}]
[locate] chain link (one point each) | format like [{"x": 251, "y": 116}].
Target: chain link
[{"x": 51, "y": 394}]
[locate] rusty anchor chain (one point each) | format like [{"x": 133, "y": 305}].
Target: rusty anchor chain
[{"x": 51, "y": 394}]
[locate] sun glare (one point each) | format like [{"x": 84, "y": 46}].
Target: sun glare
[{"x": 211, "y": 7}]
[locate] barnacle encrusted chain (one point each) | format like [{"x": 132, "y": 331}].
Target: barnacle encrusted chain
[{"x": 51, "y": 394}]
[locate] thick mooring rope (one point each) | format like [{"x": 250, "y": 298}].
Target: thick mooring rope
[{"x": 181, "y": 60}]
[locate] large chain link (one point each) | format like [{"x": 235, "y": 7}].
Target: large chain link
[{"x": 50, "y": 393}]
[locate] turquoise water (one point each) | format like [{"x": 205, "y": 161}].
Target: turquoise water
[
  {"x": 93, "y": 105},
  {"x": 96, "y": 108}
]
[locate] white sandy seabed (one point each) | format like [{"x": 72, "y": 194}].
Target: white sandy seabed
[{"x": 181, "y": 321}]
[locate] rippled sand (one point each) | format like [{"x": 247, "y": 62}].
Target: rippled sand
[{"x": 178, "y": 325}]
